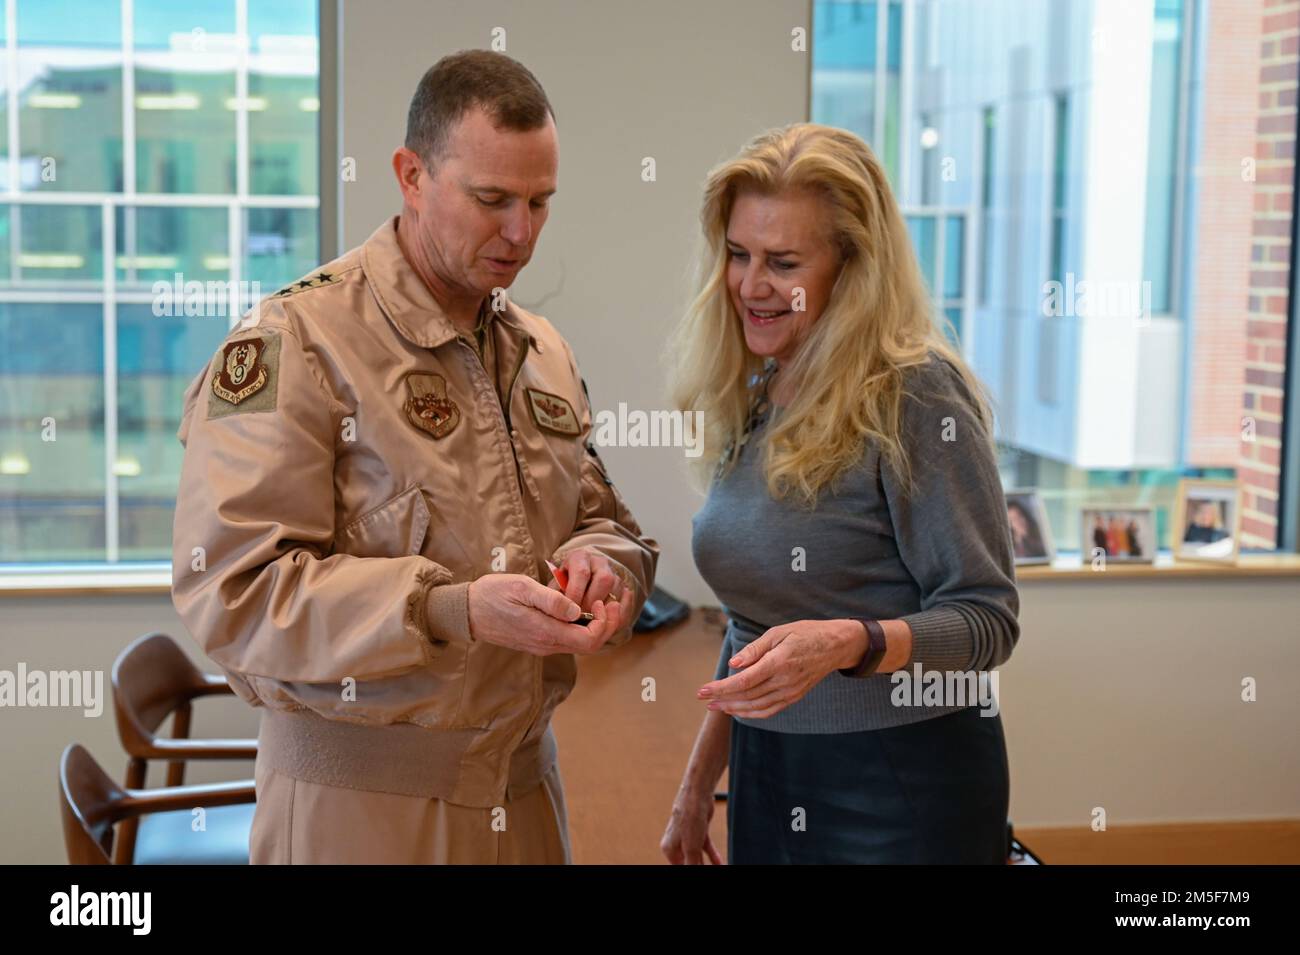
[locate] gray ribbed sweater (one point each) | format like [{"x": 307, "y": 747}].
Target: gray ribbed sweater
[{"x": 940, "y": 559}]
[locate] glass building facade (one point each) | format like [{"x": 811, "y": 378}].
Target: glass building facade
[{"x": 1041, "y": 142}]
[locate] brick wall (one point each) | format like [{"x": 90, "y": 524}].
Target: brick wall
[
  {"x": 1223, "y": 226},
  {"x": 1267, "y": 301}
]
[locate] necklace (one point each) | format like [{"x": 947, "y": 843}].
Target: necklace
[{"x": 760, "y": 405}]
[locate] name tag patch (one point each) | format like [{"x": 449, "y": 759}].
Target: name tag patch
[{"x": 552, "y": 413}]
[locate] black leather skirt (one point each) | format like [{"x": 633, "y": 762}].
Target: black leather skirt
[{"x": 931, "y": 792}]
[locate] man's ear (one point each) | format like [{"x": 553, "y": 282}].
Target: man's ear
[{"x": 411, "y": 174}]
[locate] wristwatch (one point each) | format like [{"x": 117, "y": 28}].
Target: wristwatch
[{"x": 876, "y": 647}]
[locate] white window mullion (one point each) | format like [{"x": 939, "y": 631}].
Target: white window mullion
[
  {"x": 208, "y": 200},
  {"x": 882, "y": 72},
  {"x": 109, "y": 243},
  {"x": 241, "y": 100},
  {"x": 906, "y": 67},
  {"x": 11, "y": 96},
  {"x": 234, "y": 246},
  {"x": 108, "y": 228},
  {"x": 128, "y": 136},
  {"x": 235, "y": 240}
]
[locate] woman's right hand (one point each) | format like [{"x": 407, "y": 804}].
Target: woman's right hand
[{"x": 686, "y": 839}]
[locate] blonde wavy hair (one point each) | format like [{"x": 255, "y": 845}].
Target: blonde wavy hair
[{"x": 848, "y": 370}]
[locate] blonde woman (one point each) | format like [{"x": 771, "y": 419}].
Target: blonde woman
[{"x": 855, "y": 526}]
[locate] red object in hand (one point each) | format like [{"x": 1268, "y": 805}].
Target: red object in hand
[{"x": 562, "y": 578}]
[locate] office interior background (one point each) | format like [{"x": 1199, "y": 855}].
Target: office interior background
[{"x": 1133, "y": 144}]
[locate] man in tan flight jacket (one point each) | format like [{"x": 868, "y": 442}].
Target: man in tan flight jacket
[{"x": 379, "y": 461}]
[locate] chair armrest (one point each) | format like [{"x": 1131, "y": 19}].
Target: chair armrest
[
  {"x": 202, "y": 749},
  {"x": 142, "y": 801},
  {"x": 213, "y": 685}
]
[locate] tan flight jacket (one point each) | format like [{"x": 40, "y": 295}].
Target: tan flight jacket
[{"x": 348, "y": 471}]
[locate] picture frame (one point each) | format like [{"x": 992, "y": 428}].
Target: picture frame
[
  {"x": 1126, "y": 535},
  {"x": 1207, "y": 521},
  {"x": 1031, "y": 533}
]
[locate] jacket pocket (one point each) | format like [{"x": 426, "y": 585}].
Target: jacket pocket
[
  {"x": 395, "y": 528},
  {"x": 502, "y": 687}
]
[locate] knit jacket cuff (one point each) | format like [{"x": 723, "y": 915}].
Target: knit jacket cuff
[{"x": 447, "y": 616}]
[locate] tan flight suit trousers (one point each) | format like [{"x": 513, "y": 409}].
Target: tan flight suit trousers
[{"x": 309, "y": 823}]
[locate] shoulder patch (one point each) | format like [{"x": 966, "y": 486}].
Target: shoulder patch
[
  {"x": 309, "y": 281},
  {"x": 552, "y": 413},
  {"x": 245, "y": 375}
]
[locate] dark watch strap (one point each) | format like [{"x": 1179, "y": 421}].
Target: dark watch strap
[{"x": 876, "y": 647}]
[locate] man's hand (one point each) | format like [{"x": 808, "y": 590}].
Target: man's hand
[
  {"x": 515, "y": 611},
  {"x": 593, "y": 581}
]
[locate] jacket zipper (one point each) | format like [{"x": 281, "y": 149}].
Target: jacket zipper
[
  {"x": 537, "y": 663},
  {"x": 505, "y": 408},
  {"x": 522, "y": 476}
]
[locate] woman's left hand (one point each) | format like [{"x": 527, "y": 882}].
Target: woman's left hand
[{"x": 781, "y": 666}]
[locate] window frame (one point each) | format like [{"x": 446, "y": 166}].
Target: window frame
[{"x": 107, "y": 292}]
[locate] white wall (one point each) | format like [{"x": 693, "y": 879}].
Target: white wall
[{"x": 1126, "y": 694}]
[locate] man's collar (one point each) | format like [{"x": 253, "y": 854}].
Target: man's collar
[{"x": 404, "y": 296}]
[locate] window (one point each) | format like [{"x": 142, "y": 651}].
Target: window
[
  {"x": 988, "y": 130},
  {"x": 939, "y": 237},
  {"x": 156, "y": 147},
  {"x": 857, "y": 58},
  {"x": 1122, "y": 159}
]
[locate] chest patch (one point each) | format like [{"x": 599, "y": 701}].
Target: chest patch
[
  {"x": 552, "y": 412},
  {"x": 427, "y": 405}
]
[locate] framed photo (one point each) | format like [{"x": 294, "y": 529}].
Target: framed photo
[
  {"x": 1126, "y": 535},
  {"x": 1207, "y": 521},
  {"x": 1031, "y": 535}
]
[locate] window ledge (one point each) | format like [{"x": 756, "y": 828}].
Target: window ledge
[
  {"x": 1165, "y": 568},
  {"x": 79, "y": 581},
  {"x": 156, "y": 578}
]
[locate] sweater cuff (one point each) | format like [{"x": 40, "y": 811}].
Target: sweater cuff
[
  {"x": 447, "y": 613},
  {"x": 941, "y": 639}
]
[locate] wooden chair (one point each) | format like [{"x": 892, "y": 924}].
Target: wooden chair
[
  {"x": 152, "y": 679},
  {"x": 91, "y": 803}
]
